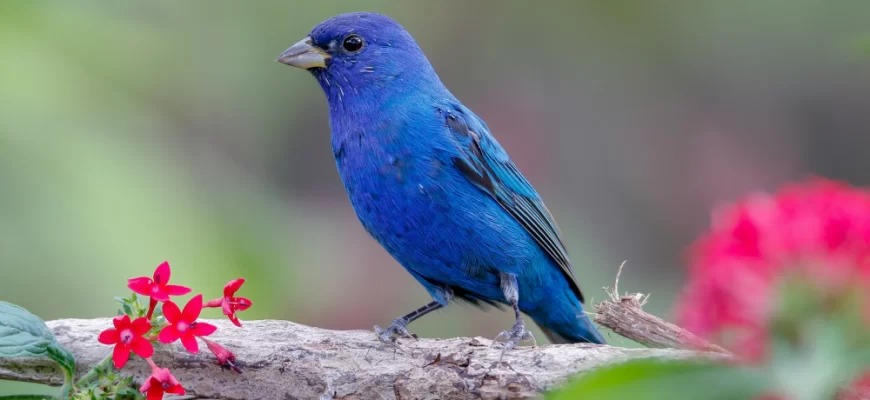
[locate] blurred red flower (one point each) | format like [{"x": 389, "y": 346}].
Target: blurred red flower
[
  {"x": 820, "y": 230},
  {"x": 860, "y": 390},
  {"x": 127, "y": 337},
  {"x": 157, "y": 288},
  {"x": 160, "y": 382},
  {"x": 183, "y": 324},
  {"x": 229, "y": 303}
]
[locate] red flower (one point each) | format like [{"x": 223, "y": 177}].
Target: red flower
[
  {"x": 160, "y": 382},
  {"x": 158, "y": 288},
  {"x": 225, "y": 357},
  {"x": 858, "y": 391},
  {"x": 184, "y": 325},
  {"x": 231, "y": 304},
  {"x": 127, "y": 337},
  {"x": 819, "y": 230}
]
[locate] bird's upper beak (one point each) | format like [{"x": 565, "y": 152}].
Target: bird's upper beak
[{"x": 304, "y": 55}]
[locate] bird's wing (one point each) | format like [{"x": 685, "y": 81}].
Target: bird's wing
[{"x": 485, "y": 163}]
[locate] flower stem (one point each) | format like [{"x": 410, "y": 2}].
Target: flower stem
[
  {"x": 151, "y": 364},
  {"x": 151, "y": 305},
  {"x": 216, "y": 303},
  {"x": 94, "y": 372},
  {"x": 67, "y": 388}
]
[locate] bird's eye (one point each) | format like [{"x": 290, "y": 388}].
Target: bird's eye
[{"x": 352, "y": 43}]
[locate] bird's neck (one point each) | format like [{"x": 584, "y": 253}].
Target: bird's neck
[{"x": 356, "y": 110}]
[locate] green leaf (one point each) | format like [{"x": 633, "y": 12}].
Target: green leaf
[
  {"x": 128, "y": 310},
  {"x": 128, "y": 392},
  {"x": 651, "y": 379},
  {"x": 158, "y": 312},
  {"x": 24, "y": 335},
  {"x": 819, "y": 340}
]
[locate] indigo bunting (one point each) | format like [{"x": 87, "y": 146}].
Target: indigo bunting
[{"x": 431, "y": 184}]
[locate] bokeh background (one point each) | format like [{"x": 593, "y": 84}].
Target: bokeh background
[{"x": 137, "y": 132}]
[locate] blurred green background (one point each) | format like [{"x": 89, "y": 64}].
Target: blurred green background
[{"x": 137, "y": 132}]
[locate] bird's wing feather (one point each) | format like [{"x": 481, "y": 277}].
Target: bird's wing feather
[{"x": 485, "y": 163}]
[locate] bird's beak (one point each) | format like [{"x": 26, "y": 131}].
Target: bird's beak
[{"x": 304, "y": 55}]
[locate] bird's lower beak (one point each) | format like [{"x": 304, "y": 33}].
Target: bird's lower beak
[{"x": 304, "y": 55}]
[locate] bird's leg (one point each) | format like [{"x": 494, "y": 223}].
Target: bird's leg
[
  {"x": 398, "y": 327},
  {"x": 518, "y": 333}
]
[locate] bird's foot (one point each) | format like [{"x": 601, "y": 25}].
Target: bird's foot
[
  {"x": 515, "y": 336},
  {"x": 396, "y": 330}
]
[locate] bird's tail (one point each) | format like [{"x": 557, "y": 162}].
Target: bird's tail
[{"x": 580, "y": 330}]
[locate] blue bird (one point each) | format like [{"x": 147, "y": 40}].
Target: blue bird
[{"x": 432, "y": 185}]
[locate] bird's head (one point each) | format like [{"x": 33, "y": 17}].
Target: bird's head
[{"x": 364, "y": 55}]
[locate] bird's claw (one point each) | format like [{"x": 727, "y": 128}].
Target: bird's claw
[
  {"x": 396, "y": 330},
  {"x": 512, "y": 338}
]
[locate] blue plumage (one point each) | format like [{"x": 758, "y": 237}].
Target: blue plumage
[{"x": 431, "y": 184}]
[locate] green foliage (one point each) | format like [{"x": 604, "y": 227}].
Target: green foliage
[
  {"x": 819, "y": 341},
  {"x": 665, "y": 380},
  {"x": 106, "y": 384},
  {"x": 132, "y": 306},
  {"x": 24, "y": 335}
]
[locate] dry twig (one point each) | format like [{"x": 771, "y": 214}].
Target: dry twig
[{"x": 624, "y": 315}]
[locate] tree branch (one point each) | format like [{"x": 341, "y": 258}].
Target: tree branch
[{"x": 284, "y": 360}]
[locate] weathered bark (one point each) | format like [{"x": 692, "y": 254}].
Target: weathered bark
[{"x": 284, "y": 360}]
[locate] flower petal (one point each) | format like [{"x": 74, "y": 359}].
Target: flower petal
[
  {"x": 162, "y": 274},
  {"x": 168, "y": 334},
  {"x": 175, "y": 389},
  {"x": 161, "y": 375},
  {"x": 140, "y": 285},
  {"x": 159, "y": 294},
  {"x": 120, "y": 356},
  {"x": 176, "y": 290},
  {"x": 142, "y": 347},
  {"x": 228, "y": 309},
  {"x": 232, "y": 286},
  {"x": 108, "y": 336},
  {"x": 121, "y": 322},
  {"x": 241, "y": 303},
  {"x": 234, "y": 320},
  {"x": 202, "y": 329},
  {"x": 146, "y": 386},
  {"x": 189, "y": 342},
  {"x": 192, "y": 309},
  {"x": 140, "y": 326},
  {"x": 155, "y": 393},
  {"x": 171, "y": 312}
]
